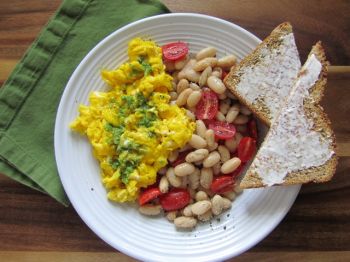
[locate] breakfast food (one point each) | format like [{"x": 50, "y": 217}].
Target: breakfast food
[
  {"x": 168, "y": 133},
  {"x": 300, "y": 145},
  {"x": 264, "y": 78}
]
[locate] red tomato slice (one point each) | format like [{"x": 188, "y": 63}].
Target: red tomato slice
[
  {"x": 175, "y": 199},
  {"x": 175, "y": 51},
  {"x": 207, "y": 106},
  {"x": 222, "y": 184},
  {"x": 148, "y": 195},
  {"x": 246, "y": 148},
  {"x": 222, "y": 130},
  {"x": 252, "y": 129},
  {"x": 180, "y": 159}
]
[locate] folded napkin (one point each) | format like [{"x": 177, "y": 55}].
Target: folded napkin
[{"x": 30, "y": 97}]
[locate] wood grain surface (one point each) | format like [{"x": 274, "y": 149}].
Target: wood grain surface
[{"x": 33, "y": 227}]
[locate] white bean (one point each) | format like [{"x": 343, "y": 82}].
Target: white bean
[
  {"x": 200, "y": 128},
  {"x": 193, "y": 179},
  {"x": 171, "y": 215},
  {"x": 187, "y": 211},
  {"x": 217, "y": 205},
  {"x": 230, "y": 165},
  {"x": 150, "y": 210},
  {"x": 213, "y": 147},
  {"x": 204, "y": 63},
  {"x": 206, "y": 52},
  {"x": 173, "y": 156},
  {"x": 163, "y": 184},
  {"x": 185, "y": 222},
  {"x": 220, "y": 116},
  {"x": 184, "y": 169},
  {"x": 197, "y": 155},
  {"x": 182, "y": 85},
  {"x": 238, "y": 190},
  {"x": 227, "y": 61},
  {"x": 232, "y": 143},
  {"x": 200, "y": 207},
  {"x": 192, "y": 75},
  {"x": 204, "y": 76},
  {"x": 241, "y": 120},
  {"x": 230, "y": 195},
  {"x": 194, "y": 87},
  {"x": 206, "y": 177},
  {"x": 217, "y": 168},
  {"x": 210, "y": 137},
  {"x": 232, "y": 113},
  {"x": 197, "y": 142},
  {"x": 174, "y": 180},
  {"x": 217, "y": 71},
  {"x": 245, "y": 111},
  {"x": 224, "y": 106},
  {"x": 211, "y": 159},
  {"x": 206, "y": 216},
  {"x": 188, "y": 66},
  {"x": 215, "y": 84},
  {"x": 201, "y": 195},
  {"x": 190, "y": 115},
  {"x": 182, "y": 98},
  {"x": 226, "y": 203},
  {"x": 224, "y": 153},
  {"x": 173, "y": 96},
  {"x": 179, "y": 64},
  {"x": 194, "y": 98}
]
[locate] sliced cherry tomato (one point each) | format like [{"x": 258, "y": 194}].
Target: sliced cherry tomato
[
  {"x": 246, "y": 148},
  {"x": 180, "y": 159},
  {"x": 237, "y": 172},
  {"x": 224, "y": 74},
  {"x": 175, "y": 199},
  {"x": 222, "y": 130},
  {"x": 222, "y": 184},
  {"x": 207, "y": 106},
  {"x": 175, "y": 51},
  {"x": 148, "y": 195},
  {"x": 252, "y": 129}
]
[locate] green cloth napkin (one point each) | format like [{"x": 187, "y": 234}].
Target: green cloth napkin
[{"x": 30, "y": 97}]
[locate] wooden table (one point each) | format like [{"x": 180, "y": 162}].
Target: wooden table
[{"x": 33, "y": 227}]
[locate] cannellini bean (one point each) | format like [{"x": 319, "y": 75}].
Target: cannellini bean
[
  {"x": 210, "y": 137},
  {"x": 193, "y": 179},
  {"x": 216, "y": 168},
  {"x": 185, "y": 148},
  {"x": 206, "y": 177},
  {"x": 201, "y": 195},
  {"x": 197, "y": 142},
  {"x": 201, "y": 128},
  {"x": 173, "y": 95},
  {"x": 200, "y": 207},
  {"x": 232, "y": 113},
  {"x": 197, "y": 155},
  {"x": 163, "y": 184},
  {"x": 190, "y": 115},
  {"x": 238, "y": 190},
  {"x": 182, "y": 98},
  {"x": 174, "y": 180},
  {"x": 171, "y": 215},
  {"x": 204, "y": 76},
  {"x": 204, "y": 63},
  {"x": 241, "y": 120},
  {"x": 211, "y": 159},
  {"x": 217, "y": 71},
  {"x": 185, "y": 222},
  {"x": 245, "y": 111},
  {"x": 179, "y": 64},
  {"x": 150, "y": 210},
  {"x": 175, "y": 76},
  {"x": 215, "y": 84},
  {"x": 194, "y": 87},
  {"x": 213, "y": 147},
  {"x": 231, "y": 195},
  {"x": 230, "y": 165},
  {"x": 217, "y": 205},
  {"x": 220, "y": 116},
  {"x": 184, "y": 182},
  {"x": 226, "y": 203},
  {"x": 225, "y": 106},
  {"x": 224, "y": 153},
  {"x": 173, "y": 156},
  {"x": 206, "y": 216},
  {"x": 187, "y": 211},
  {"x": 188, "y": 66},
  {"x": 192, "y": 75},
  {"x": 194, "y": 98},
  {"x": 184, "y": 169},
  {"x": 182, "y": 85},
  {"x": 206, "y": 52},
  {"x": 227, "y": 61},
  {"x": 232, "y": 143}
]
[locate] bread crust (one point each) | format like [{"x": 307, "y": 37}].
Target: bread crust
[{"x": 322, "y": 124}]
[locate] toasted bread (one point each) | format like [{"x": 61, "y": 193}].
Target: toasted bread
[
  {"x": 264, "y": 78},
  {"x": 300, "y": 145}
]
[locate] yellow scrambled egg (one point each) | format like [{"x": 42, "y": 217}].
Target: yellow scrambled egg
[{"x": 133, "y": 128}]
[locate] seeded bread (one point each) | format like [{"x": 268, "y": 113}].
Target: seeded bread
[
  {"x": 264, "y": 78},
  {"x": 273, "y": 159}
]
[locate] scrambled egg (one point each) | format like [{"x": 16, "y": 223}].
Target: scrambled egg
[{"x": 133, "y": 128}]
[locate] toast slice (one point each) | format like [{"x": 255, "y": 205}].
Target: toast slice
[
  {"x": 300, "y": 145},
  {"x": 264, "y": 78}
]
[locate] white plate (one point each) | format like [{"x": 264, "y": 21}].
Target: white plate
[{"x": 253, "y": 215}]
